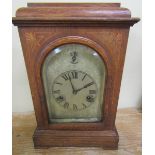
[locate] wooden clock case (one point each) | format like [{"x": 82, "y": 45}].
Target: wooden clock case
[{"x": 103, "y": 27}]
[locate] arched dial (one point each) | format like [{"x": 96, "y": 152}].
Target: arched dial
[{"x": 74, "y": 90}]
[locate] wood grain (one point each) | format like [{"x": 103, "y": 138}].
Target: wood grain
[
  {"x": 128, "y": 123},
  {"x": 75, "y": 14},
  {"x": 104, "y": 29},
  {"x": 73, "y": 4}
]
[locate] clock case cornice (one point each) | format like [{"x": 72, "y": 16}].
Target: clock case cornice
[{"x": 70, "y": 14}]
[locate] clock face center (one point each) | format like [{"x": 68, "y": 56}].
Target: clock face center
[{"x": 74, "y": 90}]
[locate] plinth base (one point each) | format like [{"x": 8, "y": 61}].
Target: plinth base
[{"x": 50, "y": 138}]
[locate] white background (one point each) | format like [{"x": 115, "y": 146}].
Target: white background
[
  {"x": 148, "y": 77},
  {"x": 130, "y": 94}
]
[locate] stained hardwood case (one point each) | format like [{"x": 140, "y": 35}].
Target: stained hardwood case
[{"x": 103, "y": 27}]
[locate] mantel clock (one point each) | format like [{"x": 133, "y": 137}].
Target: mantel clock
[{"x": 74, "y": 55}]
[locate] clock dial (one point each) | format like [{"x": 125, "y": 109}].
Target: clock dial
[
  {"x": 69, "y": 86},
  {"x": 74, "y": 79}
]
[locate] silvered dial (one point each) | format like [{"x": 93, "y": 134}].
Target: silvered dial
[{"x": 74, "y": 90}]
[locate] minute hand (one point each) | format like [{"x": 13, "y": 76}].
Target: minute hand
[{"x": 87, "y": 85}]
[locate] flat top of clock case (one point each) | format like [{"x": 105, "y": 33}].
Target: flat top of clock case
[
  {"x": 93, "y": 10},
  {"x": 73, "y": 4},
  {"x": 45, "y": 14}
]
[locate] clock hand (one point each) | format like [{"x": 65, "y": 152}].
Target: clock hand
[
  {"x": 87, "y": 85},
  {"x": 72, "y": 85}
]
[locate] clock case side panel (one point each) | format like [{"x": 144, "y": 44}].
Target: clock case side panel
[
  {"x": 29, "y": 58},
  {"x": 119, "y": 65}
]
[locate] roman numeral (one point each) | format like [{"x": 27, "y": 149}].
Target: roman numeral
[
  {"x": 66, "y": 105},
  {"x": 56, "y": 91},
  {"x": 84, "y": 105},
  {"x": 92, "y": 91},
  {"x": 66, "y": 77},
  {"x": 58, "y": 83},
  {"x": 74, "y": 74},
  {"x": 75, "y": 107}
]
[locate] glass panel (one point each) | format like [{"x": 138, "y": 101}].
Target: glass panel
[{"x": 74, "y": 79}]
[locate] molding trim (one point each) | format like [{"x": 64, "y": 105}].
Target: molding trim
[{"x": 74, "y": 21}]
